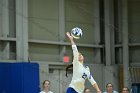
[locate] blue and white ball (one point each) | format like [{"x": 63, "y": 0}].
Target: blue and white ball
[{"x": 76, "y": 33}]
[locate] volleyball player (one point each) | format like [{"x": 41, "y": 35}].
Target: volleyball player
[{"x": 80, "y": 72}]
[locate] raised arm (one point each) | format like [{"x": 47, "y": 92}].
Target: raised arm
[{"x": 74, "y": 47}]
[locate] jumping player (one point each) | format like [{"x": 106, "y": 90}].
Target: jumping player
[{"x": 80, "y": 72}]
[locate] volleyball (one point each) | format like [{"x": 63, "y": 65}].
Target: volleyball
[{"x": 76, "y": 33}]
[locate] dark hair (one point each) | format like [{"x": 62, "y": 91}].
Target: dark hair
[
  {"x": 127, "y": 88},
  {"x": 108, "y": 84},
  {"x": 67, "y": 68},
  {"x": 44, "y": 82},
  {"x": 86, "y": 89}
]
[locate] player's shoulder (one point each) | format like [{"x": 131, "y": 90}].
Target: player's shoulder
[
  {"x": 42, "y": 92},
  {"x": 115, "y": 92},
  {"x": 87, "y": 68},
  {"x": 50, "y": 92}
]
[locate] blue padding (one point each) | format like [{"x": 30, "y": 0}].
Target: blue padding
[{"x": 19, "y": 77}]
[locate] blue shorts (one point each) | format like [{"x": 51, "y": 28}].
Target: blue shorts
[{"x": 71, "y": 90}]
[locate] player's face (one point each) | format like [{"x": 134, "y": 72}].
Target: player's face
[
  {"x": 47, "y": 84},
  {"x": 109, "y": 87},
  {"x": 81, "y": 57}
]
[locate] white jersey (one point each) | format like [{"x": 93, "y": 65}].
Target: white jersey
[
  {"x": 45, "y": 92},
  {"x": 80, "y": 73}
]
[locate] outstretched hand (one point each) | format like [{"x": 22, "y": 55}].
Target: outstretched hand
[{"x": 69, "y": 36}]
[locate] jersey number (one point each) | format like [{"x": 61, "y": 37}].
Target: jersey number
[{"x": 84, "y": 76}]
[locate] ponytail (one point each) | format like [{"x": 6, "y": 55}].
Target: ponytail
[{"x": 67, "y": 68}]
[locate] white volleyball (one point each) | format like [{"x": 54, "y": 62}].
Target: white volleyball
[{"x": 76, "y": 33}]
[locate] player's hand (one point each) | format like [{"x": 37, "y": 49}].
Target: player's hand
[{"x": 69, "y": 36}]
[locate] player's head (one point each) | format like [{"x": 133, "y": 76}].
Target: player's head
[
  {"x": 86, "y": 90},
  {"x": 109, "y": 87},
  {"x": 81, "y": 57},
  {"x": 125, "y": 90},
  {"x": 46, "y": 84}
]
